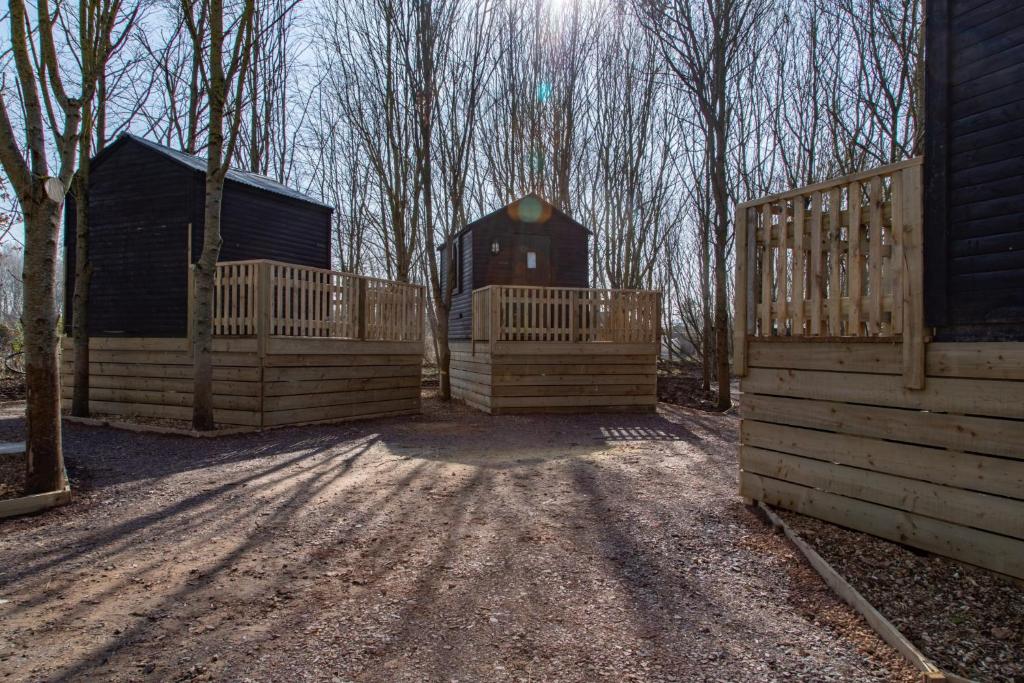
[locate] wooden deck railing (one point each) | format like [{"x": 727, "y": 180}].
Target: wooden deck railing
[
  {"x": 565, "y": 314},
  {"x": 840, "y": 259},
  {"x": 287, "y": 300}
]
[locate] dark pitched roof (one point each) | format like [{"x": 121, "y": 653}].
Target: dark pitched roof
[
  {"x": 548, "y": 206},
  {"x": 198, "y": 163}
]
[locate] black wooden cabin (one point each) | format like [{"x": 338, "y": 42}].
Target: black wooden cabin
[
  {"x": 528, "y": 242},
  {"x": 974, "y": 169},
  {"x": 146, "y": 226}
]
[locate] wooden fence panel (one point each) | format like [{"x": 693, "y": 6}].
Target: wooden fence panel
[{"x": 299, "y": 301}]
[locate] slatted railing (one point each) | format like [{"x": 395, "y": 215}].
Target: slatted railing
[
  {"x": 840, "y": 259},
  {"x": 565, "y": 314},
  {"x": 282, "y": 299}
]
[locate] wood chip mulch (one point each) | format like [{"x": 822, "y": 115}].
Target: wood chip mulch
[
  {"x": 969, "y": 621},
  {"x": 12, "y": 476}
]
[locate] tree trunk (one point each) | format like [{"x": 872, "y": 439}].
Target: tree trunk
[
  {"x": 83, "y": 270},
  {"x": 444, "y": 355},
  {"x": 45, "y": 461},
  {"x": 202, "y": 326},
  {"x": 722, "y": 326}
]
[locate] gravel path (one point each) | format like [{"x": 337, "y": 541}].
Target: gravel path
[{"x": 450, "y": 547}]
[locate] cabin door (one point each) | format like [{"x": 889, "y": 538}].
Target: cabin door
[{"x": 533, "y": 260}]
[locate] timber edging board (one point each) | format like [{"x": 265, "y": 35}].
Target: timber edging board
[
  {"x": 555, "y": 377},
  {"x": 293, "y": 381},
  {"x": 885, "y": 629},
  {"x": 27, "y": 505},
  {"x": 828, "y": 430}
]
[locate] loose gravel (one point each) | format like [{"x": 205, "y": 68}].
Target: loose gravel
[{"x": 448, "y": 547}]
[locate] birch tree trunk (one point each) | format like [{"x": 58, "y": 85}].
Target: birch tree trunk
[
  {"x": 83, "y": 269},
  {"x": 45, "y": 458},
  {"x": 221, "y": 82}
]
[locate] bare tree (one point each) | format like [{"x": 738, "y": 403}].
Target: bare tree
[
  {"x": 51, "y": 116},
  {"x": 369, "y": 81},
  {"x": 224, "y": 86},
  {"x": 460, "y": 65},
  {"x": 94, "y": 59},
  {"x": 702, "y": 44},
  {"x": 631, "y": 144}
]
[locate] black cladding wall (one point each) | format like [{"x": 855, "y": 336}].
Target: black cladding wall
[
  {"x": 141, "y": 204},
  {"x": 559, "y": 243},
  {"x": 974, "y": 169}
]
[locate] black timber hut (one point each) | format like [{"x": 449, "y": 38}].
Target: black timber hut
[
  {"x": 974, "y": 170},
  {"x": 146, "y": 220},
  {"x": 528, "y": 242}
]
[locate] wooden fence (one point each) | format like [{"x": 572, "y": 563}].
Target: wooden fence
[
  {"x": 565, "y": 314},
  {"x": 840, "y": 259},
  {"x": 848, "y": 415},
  {"x": 298, "y": 301}
]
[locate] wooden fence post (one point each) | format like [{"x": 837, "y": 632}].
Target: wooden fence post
[
  {"x": 361, "y": 309},
  {"x": 913, "y": 280},
  {"x": 190, "y": 294},
  {"x": 574, "y": 316},
  {"x": 264, "y": 303},
  {"x": 495, "y": 313}
]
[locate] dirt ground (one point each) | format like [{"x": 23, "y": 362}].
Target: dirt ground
[{"x": 449, "y": 547}]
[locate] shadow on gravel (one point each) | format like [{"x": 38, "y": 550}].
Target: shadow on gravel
[
  {"x": 188, "y": 514},
  {"x": 274, "y": 499}
]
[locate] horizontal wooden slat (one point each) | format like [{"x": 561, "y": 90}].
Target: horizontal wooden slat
[
  {"x": 167, "y": 398},
  {"x": 646, "y": 380},
  {"x": 594, "y": 389},
  {"x": 170, "y": 358},
  {"x": 226, "y": 388},
  {"x": 573, "y": 401},
  {"x": 178, "y": 344},
  {"x": 586, "y": 369},
  {"x": 883, "y": 358},
  {"x": 996, "y": 552},
  {"x": 306, "y": 360},
  {"x": 1000, "y": 476},
  {"x": 242, "y": 374},
  {"x": 977, "y": 434},
  {"x": 513, "y": 348},
  {"x": 333, "y": 386},
  {"x": 338, "y": 347},
  {"x": 341, "y": 412},
  {"x": 314, "y": 373},
  {"x": 465, "y": 375},
  {"x": 941, "y": 394},
  {"x": 982, "y": 360},
  {"x": 230, "y": 417},
  {"x": 967, "y": 508}
]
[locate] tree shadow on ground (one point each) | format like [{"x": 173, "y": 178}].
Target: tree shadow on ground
[{"x": 417, "y": 529}]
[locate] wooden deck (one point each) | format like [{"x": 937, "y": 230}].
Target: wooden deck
[
  {"x": 849, "y": 414},
  {"x": 292, "y": 345},
  {"x": 546, "y": 349}
]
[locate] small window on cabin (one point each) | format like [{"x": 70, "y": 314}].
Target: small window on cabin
[{"x": 531, "y": 260}]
